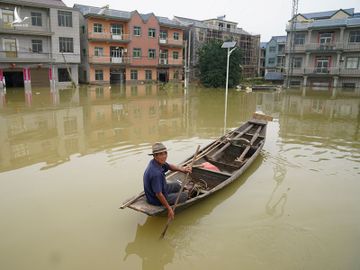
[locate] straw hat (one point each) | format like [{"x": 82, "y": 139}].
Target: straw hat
[{"x": 157, "y": 147}]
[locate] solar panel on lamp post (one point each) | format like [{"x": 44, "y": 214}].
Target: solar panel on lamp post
[{"x": 230, "y": 46}]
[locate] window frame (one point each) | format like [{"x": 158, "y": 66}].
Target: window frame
[
  {"x": 136, "y": 53},
  {"x": 99, "y": 75},
  {"x": 98, "y": 28},
  {"x": 38, "y": 44},
  {"x": 354, "y": 36},
  {"x": 68, "y": 45},
  {"x": 152, "y": 32},
  {"x": 134, "y": 74},
  {"x": 176, "y": 36},
  {"x": 63, "y": 75},
  {"x": 137, "y": 31},
  {"x": 36, "y": 18},
  {"x": 65, "y": 18},
  {"x": 151, "y": 53}
]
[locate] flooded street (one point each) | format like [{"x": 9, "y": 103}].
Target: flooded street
[{"x": 69, "y": 158}]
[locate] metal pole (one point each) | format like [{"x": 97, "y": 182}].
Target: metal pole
[{"x": 226, "y": 87}]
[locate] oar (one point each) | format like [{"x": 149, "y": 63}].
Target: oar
[{"x": 181, "y": 190}]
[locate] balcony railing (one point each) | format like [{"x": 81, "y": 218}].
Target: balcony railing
[
  {"x": 325, "y": 71},
  {"x": 329, "y": 47},
  {"x": 109, "y": 60},
  {"x": 326, "y": 47},
  {"x": 170, "y": 61},
  {"x": 109, "y": 36},
  {"x": 170, "y": 41},
  {"x": 15, "y": 56},
  {"x": 24, "y": 29}
]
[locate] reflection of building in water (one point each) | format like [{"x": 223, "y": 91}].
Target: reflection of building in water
[
  {"x": 306, "y": 115},
  {"x": 43, "y": 136},
  {"x": 135, "y": 112}
]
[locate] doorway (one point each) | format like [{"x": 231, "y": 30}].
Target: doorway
[{"x": 14, "y": 79}]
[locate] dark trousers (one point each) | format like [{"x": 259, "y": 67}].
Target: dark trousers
[{"x": 172, "y": 190}]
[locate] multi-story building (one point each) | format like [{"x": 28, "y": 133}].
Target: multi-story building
[
  {"x": 119, "y": 46},
  {"x": 275, "y": 59},
  {"x": 200, "y": 32},
  {"x": 325, "y": 51},
  {"x": 39, "y": 41}
]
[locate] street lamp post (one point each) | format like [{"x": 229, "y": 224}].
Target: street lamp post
[{"x": 227, "y": 45}]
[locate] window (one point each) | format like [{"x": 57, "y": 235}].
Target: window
[
  {"x": 36, "y": 19},
  {"x": 272, "y": 49},
  {"x": 176, "y": 75},
  {"x": 83, "y": 29},
  {"x": 354, "y": 36},
  {"x": 325, "y": 38},
  {"x": 352, "y": 62},
  {"x": 152, "y": 32},
  {"x": 66, "y": 44},
  {"x": 175, "y": 55},
  {"x": 176, "y": 36},
  {"x": 98, "y": 28},
  {"x": 299, "y": 39},
  {"x": 137, "y": 31},
  {"x": 36, "y": 46},
  {"x": 63, "y": 75},
  {"x": 99, "y": 51},
  {"x": 116, "y": 29},
  {"x": 271, "y": 61},
  {"x": 99, "y": 75},
  {"x": 7, "y": 16},
  {"x": 84, "y": 52},
  {"x": 10, "y": 47},
  {"x": 65, "y": 18},
  {"x": 133, "y": 74},
  {"x": 136, "y": 52},
  {"x": 148, "y": 75},
  {"x": 152, "y": 53},
  {"x": 163, "y": 34},
  {"x": 297, "y": 62}
]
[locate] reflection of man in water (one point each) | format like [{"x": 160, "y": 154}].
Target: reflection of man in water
[
  {"x": 155, "y": 254},
  {"x": 157, "y": 190}
]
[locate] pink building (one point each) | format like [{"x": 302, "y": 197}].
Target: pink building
[{"x": 119, "y": 46}]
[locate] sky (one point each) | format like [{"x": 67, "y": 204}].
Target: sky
[{"x": 264, "y": 17}]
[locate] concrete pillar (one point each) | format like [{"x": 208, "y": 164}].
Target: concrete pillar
[
  {"x": 335, "y": 86},
  {"x": 309, "y": 37},
  {"x": 342, "y": 34},
  {"x": 2, "y": 79},
  {"x": 305, "y": 81}
]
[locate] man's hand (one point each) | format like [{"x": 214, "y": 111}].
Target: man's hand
[
  {"x": 171, "y": 213},
  {"x": 186, "y": 169}
]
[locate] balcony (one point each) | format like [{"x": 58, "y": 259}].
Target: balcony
[
  {"x": 170, "y": 62},
  {"x": 324, "y": 47},
  {"x": 171, "y": 42},
  {"x": 25, "y": 29},
  {"x": 298, "y": 48},
  {"x": 109, "y": 60},
  {"x": 29, "y": 57},
  {"x": 321, "y": 71},
  {"x": 105, "y": 36},
  {"x": 352, "y": 46},
  {"x": 350, "y": 72}
]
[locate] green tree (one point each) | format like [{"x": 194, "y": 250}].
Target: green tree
[{"x": 212, "y": 65}]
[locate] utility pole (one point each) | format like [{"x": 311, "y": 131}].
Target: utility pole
[{"x": 290, "y": 67}]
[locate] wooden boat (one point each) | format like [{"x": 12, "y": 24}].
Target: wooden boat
[{"x": 216, "y": 166}]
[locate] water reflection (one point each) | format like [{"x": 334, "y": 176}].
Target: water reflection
[{"x": 50, "y": 125}]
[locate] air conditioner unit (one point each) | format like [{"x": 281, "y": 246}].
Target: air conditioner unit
[
  {"x": 163, "y": 61},
  {"x": 117, "y": 37}
]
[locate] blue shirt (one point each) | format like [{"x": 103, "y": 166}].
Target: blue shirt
[{"x": 155, "y": 181}]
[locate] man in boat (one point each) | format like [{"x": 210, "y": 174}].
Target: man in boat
[{"x": 157, "y": 190}]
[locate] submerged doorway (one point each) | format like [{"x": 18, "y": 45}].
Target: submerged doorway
[{"x": 14, "y": 79}]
